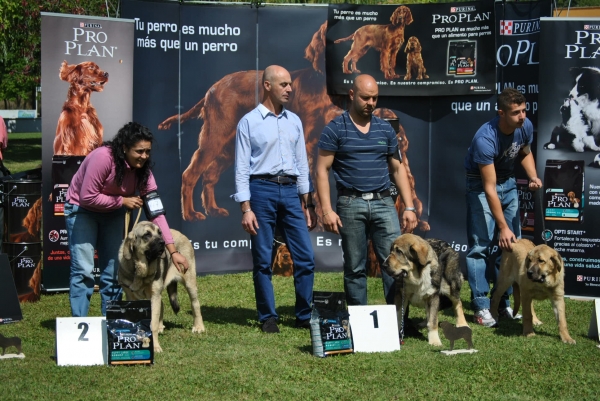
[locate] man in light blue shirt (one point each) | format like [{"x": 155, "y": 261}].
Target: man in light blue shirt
[{"x": 274, "y": 190}]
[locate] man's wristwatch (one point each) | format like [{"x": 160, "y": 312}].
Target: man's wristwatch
[{"x": 410, "y": 209}]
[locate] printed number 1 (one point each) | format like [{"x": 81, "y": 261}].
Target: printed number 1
[
  {"x": 84, "y": 329},
  {"x": 375, "y": 320}
]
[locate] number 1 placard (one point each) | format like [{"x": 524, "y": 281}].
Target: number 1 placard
[
  {"x": 374, "y": 328},
  {"x": 81, "y": 341}
]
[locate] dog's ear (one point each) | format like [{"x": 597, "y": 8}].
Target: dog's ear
[
  {"x": 419, "y": 253},
  {"x": 575, "y": 71},
  {"x": 558, "y": 261},
  {"x": 128, "y": 246},
  {"x": 408, "y": 18}
]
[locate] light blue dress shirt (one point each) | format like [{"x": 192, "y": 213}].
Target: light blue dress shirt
[{"x": 269, "y": 144}]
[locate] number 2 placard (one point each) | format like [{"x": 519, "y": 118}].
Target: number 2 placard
[
  {"x": 81, "y": 341},
  {"x": 374, "y": 328}
]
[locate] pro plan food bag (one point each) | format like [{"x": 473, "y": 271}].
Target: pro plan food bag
[
  {"x": 564, "y": 190},
  {"x": 329, "y": 324},
  {"x": 129, "y": 332}
]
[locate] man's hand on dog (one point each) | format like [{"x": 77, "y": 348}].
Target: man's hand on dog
[
  {"x": 506, "y": 238},
  {"x": 132, "y": 202}
]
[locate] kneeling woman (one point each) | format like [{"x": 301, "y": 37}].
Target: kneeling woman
[{"x": 102, "y": 189}]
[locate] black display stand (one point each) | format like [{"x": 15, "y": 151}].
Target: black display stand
[{"x": 10, "y": 309}]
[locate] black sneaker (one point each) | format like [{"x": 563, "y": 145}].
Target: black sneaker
[
  {"x": 302, "y": 324},
  {"x": 270, "y": 326}
]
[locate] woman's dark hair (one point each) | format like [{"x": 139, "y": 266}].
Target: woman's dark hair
[{"x": 127, "y": 137}]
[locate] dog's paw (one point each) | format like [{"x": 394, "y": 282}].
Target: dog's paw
[
  {"x": 568, "y": 340},
  {"x": 537, "y": 322},
  {"x": 424, "y": 226},
  {"x": 198, "y": 329},
  {"x": 157, "y": 348},
  {"x": 529, "y": 335},
  {"x": 435, "y": 343},
  {"x": 161, "y": 328},
  {"x": 193, "y": 216}
]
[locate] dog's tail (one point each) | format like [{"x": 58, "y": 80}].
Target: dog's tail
[
  {"x": 351, "y": 37},
  {"x": 172, "y": 291},
  {"x": 517, "y": 298},
  {"x": 195, "y": 112}
]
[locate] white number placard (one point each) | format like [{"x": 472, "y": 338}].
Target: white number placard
[
  {"x": 81, "y": 341},
  {"x": 374, "y": 328}
]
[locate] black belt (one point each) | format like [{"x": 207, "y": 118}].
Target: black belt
[
  {"x": 499, "y": 178},
  {"x": 364, "y": 195},
  {"x": 280, "y": 179}
]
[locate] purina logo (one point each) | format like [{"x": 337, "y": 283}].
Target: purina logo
[
  {"x": 579, "y": 277},
  {"x": 588, "y": 279},
  {"x": 520, "y": 27},
  {"x": 89, "y": 25},
  {"x": 464, "y": 9},
  {"x": 591, "y": 27}
]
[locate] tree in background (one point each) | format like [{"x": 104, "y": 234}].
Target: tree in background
[{"x": 20, "y": 51}]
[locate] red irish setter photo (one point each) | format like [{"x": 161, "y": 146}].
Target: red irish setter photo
[
  {"x": 79, "y": 130},
  {"x": 415, "y": 66},
  {"x": 227, "y": 101},
  {"x": 32, "y": 222},
  {"x": 386, "y": 39}
]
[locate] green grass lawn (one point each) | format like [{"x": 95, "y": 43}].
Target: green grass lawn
[
  {"x": 24, "y": 151},
  {"x": 234, "y": 360}
]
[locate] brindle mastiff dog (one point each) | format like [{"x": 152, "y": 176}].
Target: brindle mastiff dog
[
  {"x": 146, "y": 269},
  {"x": 429, "y": 268},
  {"x": 536, "y": 272}
]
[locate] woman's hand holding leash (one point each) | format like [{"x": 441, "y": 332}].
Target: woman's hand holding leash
[{"x": 133, "y": 202}]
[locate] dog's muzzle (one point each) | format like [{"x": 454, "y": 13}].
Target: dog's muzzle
[
  {"x": 155, "y": 249},
  {"x": 535, "y": 277}
]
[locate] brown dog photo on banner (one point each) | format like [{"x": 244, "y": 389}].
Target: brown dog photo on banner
[
  {"x": 32, "y": 222},
  {"x": 415, "y": 67},
  {"x": 386, "y": 39},
  {"x": 226, "y": 102},
  {"x": 79, "y": 130}
]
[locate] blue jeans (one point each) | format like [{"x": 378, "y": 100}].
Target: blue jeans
[
  {"x": 278, "y": 205},
  {"x": 482, "y": 232},
  {"x": 89, "y": 231},
  {"x": 376, "y": 219}
]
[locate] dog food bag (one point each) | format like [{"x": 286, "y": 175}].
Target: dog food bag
[
  {"x": 129, "y": 333},
  {"x": 564, "y": 190},
  {"x": 329, "y": 324},
  {"x": 452, "y": 59},
  {"x": 466, "y": 53}
]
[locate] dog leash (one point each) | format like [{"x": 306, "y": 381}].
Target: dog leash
[
  {"x": 402, "y": 314},
  {"x": 128, "y": 220}
]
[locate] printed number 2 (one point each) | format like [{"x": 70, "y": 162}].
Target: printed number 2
[
  {"x": 375, "y": 320},
  {"x": 84, "y": 329}
]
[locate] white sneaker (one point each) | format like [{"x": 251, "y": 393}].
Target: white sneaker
[
  {"x": 508, "y": 313},
  {"x": 484, "y": 318}
]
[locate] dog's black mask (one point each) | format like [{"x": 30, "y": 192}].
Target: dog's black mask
[{"x": 155, "y": 249}]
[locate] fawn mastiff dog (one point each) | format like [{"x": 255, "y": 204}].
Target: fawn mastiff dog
[
  {"x": 536, "y": 272},
  {"x": 428, "y": 268},
  {"x": 146, "y": 269}
]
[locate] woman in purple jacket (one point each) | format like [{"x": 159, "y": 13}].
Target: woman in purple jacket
[{"x": 102, "y": 189}]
